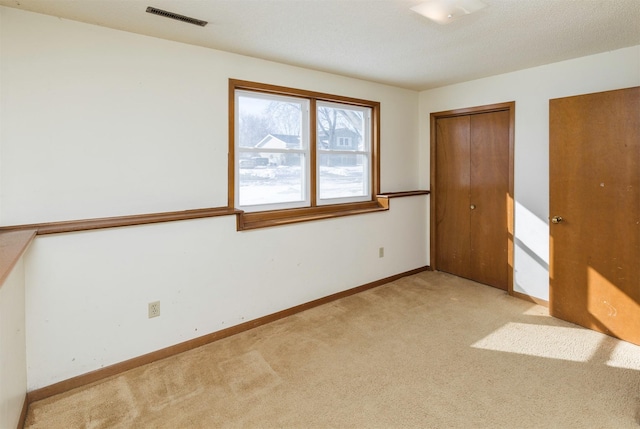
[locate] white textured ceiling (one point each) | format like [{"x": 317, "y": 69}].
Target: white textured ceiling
[{"x": 378, "y": 40}]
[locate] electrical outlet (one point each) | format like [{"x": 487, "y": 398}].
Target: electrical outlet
[
  {"x": 154, "y": 309},
  {"x": 381, "y": 252}
]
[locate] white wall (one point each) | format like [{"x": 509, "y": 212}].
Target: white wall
[
  {"x": 13, "y": 368},
  {"x": 87, "y": 292},
  {"x": 531, "y": 89},
  {"x": 96, "y": 123}
]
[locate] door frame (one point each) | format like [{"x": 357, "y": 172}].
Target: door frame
[{"x": 434, "y": 116}]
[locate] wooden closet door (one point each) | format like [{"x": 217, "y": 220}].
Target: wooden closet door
[
  {"x": 489, "y": 197},
  {"x": 471, "y": 198},
  {"x": 452, "y": 208},
  {"x": 594, "y": 144}
]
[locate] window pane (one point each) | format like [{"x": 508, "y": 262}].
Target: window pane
[
  {"x": 343, "y": 176},
  {"x": 278, "y": 178},
  {"x": 340, "y": 127},
  {"x": 270, "y": 122}
]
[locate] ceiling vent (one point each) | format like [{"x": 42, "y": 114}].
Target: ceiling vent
[{"x": 179, "y": 17}]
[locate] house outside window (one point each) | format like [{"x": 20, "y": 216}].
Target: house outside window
[{"x": 294, "y": 149}]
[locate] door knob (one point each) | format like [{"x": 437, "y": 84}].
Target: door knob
[
  {"x": 556, "y": 219},
  {"x": 472, "y": 206}
]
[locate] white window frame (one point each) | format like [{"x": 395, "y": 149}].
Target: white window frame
[
  {"x": 304, "y": 151},
  {"x": 366, "y": 153}
]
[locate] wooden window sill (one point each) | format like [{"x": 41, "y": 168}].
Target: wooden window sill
[{"x": 255, "y": 220}]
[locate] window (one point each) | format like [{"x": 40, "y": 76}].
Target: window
[
  {"x": 294, "y": 149},
  {"x": 344, "y": 141},
  {"x": 271, "y": 150}
]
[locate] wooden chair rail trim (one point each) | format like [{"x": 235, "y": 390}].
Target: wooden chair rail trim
[
  {"x": 404, "y": 194},
  {"x": 118, "y": 368},
  {"x": 119, "y": 221},
  {"x": 298, "y": 215},
  {"x": 12, "y": 245}
]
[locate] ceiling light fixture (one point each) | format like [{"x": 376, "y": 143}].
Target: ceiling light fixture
[{"x": 446, "y": 11}]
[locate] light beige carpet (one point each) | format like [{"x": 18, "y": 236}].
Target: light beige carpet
[{"x": 426, "y": 351}]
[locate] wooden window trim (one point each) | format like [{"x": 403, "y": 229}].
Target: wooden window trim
[
  {"x": 286, "y": 216},
  {"x": 255, "y": 220},
  {"x": 270, "y": 218}
]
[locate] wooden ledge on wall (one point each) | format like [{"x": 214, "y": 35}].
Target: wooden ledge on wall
[
  {"x": 403, "y": 194},
  {"x": 119, "y": 221},
  {"x": 12, "y": 246},
  {"x": 245, "y": 220},
  {"x": 383, "y": 199}
]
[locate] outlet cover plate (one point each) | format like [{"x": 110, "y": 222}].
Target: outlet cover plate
[{"x": 154, "y": 309}]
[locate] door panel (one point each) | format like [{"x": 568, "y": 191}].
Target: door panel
[
  {"x": 489, "y": 194},
  {"x": 452, "y": 210},
  {"x": 595, "y": 187}
]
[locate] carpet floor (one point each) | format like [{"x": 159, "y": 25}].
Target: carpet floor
[{"x": 427, "y": 351}]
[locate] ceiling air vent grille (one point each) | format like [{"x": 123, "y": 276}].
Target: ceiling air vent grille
[{"x": 179, "y": 17}]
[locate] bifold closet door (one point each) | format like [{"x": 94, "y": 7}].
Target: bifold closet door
[
  {"x": 472, "y": 176},
  {"x": 489, "y": 197},
  {"x": 452, "y": 206}
]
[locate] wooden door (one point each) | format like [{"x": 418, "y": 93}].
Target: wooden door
[
  {"x": 453, "y": 196},
  {"x": 594, "y": 146},
  {"x": 489, "y": 194},
  {"x": 471, "y": 180}
]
